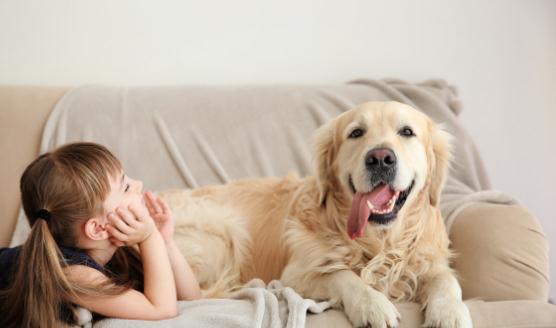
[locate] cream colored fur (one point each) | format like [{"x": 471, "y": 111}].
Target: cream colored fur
[{"x": 295, "y": 229}]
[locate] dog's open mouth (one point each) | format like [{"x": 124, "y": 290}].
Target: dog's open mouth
[{"x": 381, "y": 205}]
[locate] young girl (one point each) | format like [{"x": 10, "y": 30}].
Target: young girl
[{"x": 96, "y": 241}]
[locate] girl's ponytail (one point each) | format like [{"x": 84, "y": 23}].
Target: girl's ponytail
[{"x": 37, "y": 295}]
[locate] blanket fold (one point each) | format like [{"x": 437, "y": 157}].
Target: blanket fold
[{"x": 255, "y": 305}]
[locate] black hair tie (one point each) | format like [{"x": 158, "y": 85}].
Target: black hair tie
[{"x": 44, "y": 214}]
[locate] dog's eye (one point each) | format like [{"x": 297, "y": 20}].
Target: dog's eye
[
  {"x": 356, "y": 133},
  {"x": 406, "y": 131}
]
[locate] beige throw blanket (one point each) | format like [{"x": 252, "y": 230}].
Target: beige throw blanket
[{"x": 256, "y": 305}]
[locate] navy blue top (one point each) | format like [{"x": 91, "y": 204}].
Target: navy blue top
[{"x": 71, "y": 256}]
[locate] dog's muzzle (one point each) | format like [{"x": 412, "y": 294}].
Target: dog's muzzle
[{"x": 381, "y": 163}]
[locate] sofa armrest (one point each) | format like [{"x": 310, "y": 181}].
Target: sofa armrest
[
  {"x": 23, "y": 114},
  {"x": 501, "y": 253}
]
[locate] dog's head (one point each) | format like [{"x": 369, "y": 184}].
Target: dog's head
[{"x": 385, "y": 157}]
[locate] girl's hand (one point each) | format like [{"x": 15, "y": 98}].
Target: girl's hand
[
  {"x": 162, "y": 216},
  {"x": 130, "y": 226}
]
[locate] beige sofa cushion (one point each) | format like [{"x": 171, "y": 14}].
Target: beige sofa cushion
[
  {"x": 502, "y": 253},
  {"x": 509, "y": 314}
]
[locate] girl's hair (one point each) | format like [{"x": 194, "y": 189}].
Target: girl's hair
[{"x": 71, "y": 184}]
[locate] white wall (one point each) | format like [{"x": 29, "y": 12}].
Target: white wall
[{"x": 501, "y": 54}]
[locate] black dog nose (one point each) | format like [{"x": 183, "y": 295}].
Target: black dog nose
[
  {"x": 380, "y": 158},
  {"x": 381, "y": 164}
]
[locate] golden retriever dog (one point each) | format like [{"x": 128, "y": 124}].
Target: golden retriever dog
[{"x": 363, "y": 232}]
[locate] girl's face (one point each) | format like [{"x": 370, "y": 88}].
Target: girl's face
[{"x": 123, "y": 192}]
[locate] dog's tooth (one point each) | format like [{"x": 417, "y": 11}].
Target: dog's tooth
[
  {"x": 370, "y": 205},
  {"x": 391, "y": 202}
]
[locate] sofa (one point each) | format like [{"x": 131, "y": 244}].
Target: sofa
[{"x": 502, "y": 253}]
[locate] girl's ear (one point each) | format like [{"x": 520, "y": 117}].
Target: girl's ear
[{"x": 95, "y": 229}]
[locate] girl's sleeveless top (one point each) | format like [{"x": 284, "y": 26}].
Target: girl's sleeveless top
[{"x": 70, "y": 256}]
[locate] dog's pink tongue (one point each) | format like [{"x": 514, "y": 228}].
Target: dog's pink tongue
[
  {"x": 380, "y": 196},
  {"x": 359, "y": 215},
  {"x": 357, "y": 219}
]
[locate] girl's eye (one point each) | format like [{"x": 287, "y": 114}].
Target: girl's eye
[
  {"x": 406, "y": 131},
  {"x": 356, "y": 133},
  {"x": 126, "y": 187}
]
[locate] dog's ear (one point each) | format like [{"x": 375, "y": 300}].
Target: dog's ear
[
  {"x": 439, "y": 161},
  {"x": 324, "y": 147}
]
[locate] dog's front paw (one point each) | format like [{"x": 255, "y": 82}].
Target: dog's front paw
[
  {"x": 447, "y": 313},
  {"x": 370, "y": 308}
]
